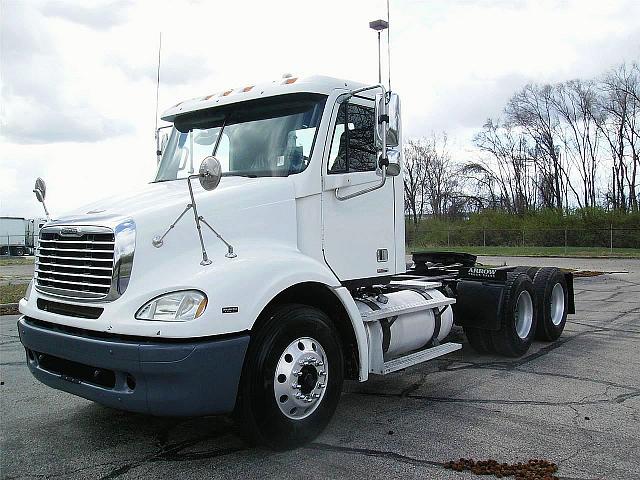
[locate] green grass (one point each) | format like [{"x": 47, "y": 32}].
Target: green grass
[
  {"x": 16, "y": 261},
  {"x": 12, "y": 293},
  {"x": 575, "y": 252}
]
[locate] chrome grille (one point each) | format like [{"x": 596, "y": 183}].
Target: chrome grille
[{"x": 75, "y": 262}]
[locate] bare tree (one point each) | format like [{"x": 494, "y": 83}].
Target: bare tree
[
  {"x": 533, "y": 110},
  {"x": 575, "y": 103},
  {"x": 507, "y": 172},
  {"x": 431, "y": 185},
  {"x": 440, "y": 184},
  {"x": 416, "y": 158},
  {"x": 618, "y": 121}
]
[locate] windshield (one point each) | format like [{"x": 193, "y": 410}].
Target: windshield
[{"x": 259, "y": 138}]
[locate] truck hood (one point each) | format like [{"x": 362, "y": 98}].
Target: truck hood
[
  {"x": 231, "y": 194},
  {"x": 250, "y": 213}
]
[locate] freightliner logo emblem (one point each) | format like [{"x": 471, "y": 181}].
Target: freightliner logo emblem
[{"x": 70, "y": 231}]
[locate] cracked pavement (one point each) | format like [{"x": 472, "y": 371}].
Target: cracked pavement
[{"x": 575, "y": 402}]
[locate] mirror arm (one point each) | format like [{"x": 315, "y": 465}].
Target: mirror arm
[
  {"x": 383, "y": 161},
  {"x": 205, "y": 259},
  {"x": 158, "y": 150},
  {"x": 230, "y": 253},
  {"x": 46, "y": 212},
  {"x": 346, "y": 96},
  {"x": 158, "y": 240}
]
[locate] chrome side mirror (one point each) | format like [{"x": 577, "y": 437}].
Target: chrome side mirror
[
  {"x": 161, "y": 141},
  {"x": 210, "y": 173},
  {"x": 393, "y": 126},
  {"x": 40, "y": 189}
]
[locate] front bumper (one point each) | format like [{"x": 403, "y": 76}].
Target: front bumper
[{"x": 159, "y": 378}]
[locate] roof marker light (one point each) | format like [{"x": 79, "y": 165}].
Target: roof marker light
[
  {"x": 246, "y": 89},
  {"x": 209, "y": 96},
  {"x": 224, "y": 94},
  {"x": 289, "y": 81}
]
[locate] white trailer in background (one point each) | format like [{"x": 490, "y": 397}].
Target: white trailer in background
[{"x": 15, "y": 236}]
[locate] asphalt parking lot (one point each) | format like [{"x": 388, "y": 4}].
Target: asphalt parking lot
[{"x": 575, "y": 402}]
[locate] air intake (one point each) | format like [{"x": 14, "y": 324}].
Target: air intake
[{"x": 76, "y": 261}]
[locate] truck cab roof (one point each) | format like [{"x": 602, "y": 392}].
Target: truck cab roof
[{"x": 285, "y": 85}]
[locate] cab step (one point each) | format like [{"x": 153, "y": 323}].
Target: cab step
[
  {"x": 418, "y": 357},
  {"x": 407, "y": 308}
]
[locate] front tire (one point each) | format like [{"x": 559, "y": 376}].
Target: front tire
[{"x": 292, "y": 378}]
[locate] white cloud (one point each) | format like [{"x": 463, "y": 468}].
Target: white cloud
[
  {"x": 39, "y": 102},
  {"x": 100, "y": 16}
]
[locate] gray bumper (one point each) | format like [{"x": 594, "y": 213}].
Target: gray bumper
[{"x": 173, "y": 379}]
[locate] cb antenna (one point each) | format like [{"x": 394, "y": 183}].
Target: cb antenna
[
  {"x": 380, "y": 25},
  {"x": 157, "y": 133},
  {"x": 388, "y": 45}
]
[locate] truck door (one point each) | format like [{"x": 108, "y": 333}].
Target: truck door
[{"x": 358, "y": 234}]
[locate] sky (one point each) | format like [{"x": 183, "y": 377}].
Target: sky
[{"x": 78, "y": 78}]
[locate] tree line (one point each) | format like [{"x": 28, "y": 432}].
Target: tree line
[{"x": 574, "y": 144}]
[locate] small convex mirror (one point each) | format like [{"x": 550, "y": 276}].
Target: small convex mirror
[
  {"x": 210, "y": 173},
  {"x": 40, "y": 189},
  {"x": 393, "y": 169}
]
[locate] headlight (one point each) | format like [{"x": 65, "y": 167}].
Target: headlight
[
  {"x": 27, "y": 294},
  {"x": 174, "y": 307}
]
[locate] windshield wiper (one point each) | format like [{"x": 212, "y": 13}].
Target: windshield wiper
[{"x": 233, "y": 174}]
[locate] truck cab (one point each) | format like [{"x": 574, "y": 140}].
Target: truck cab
[{"x": 262, "y": 266}]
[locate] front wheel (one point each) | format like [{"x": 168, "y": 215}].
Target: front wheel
[{"x": 292, "y": 378}]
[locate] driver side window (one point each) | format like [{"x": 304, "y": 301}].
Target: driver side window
[{"x": 353, "y": 149}]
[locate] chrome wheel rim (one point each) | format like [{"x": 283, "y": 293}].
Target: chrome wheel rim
[
  {"x": 524, "y": 314},
  {"x": 300, "y": 379},
  {"x": 557, "y": 304}
]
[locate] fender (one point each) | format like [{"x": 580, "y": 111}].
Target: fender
[
  {"x": 358, "y": 329},
  {"x": 282, "y": 276}
]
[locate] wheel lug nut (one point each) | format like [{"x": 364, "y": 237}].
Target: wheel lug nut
[
  {"x": 320, "y": 385},
  {"x": 321, "y": 372},
  {"x": 295, "y": 386}
]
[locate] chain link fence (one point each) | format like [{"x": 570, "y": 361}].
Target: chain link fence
[{"x": 566, "y": 239}]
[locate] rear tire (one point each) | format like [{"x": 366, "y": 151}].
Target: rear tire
[
  {"x": 530, "y": 271},
  {"x": 552, "y": 299},
  {"x": 518, "y": 319},
  {"x": 479, "y": 339},
  {"x": 297, "y": 345}
]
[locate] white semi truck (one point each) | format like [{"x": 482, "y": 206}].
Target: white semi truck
[{"x": 262, "y": 267}]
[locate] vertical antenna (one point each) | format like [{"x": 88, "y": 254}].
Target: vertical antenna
[
  {"x": 388, "y": 46},
  {"x": 158, "y": 83}
]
